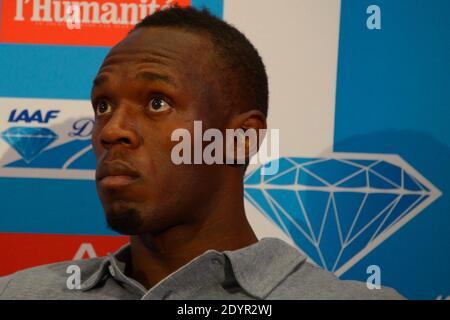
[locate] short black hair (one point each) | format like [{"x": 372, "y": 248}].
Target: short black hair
[{"x": 247, "y": 74}]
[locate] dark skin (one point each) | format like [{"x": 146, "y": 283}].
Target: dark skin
[{"x": 155, "y": 81}]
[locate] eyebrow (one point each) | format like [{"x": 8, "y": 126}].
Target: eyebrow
[
  {"x": 153, "y": 76},
  {"x": 143, "y": 75},
  {"x": 99, "y": 80}
]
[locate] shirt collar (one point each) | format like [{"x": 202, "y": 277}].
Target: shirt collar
[
  {"x": 111, "y": 265},
  {"x": 257, "y": 268},
  {"x": 261, "y": 267}
]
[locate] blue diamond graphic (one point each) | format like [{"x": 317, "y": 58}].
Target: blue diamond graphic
[
  {"x": 337, "y": 209},
  {"x": 29, "y": 142}
]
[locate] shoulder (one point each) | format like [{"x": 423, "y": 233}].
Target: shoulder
[
  {"x": 46, "y": 281},
  {"x": 308, "y": 281}
]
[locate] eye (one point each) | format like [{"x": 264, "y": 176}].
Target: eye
[
  {"x": 158, "y": 105},
  {"x": 101, "y": 107}
]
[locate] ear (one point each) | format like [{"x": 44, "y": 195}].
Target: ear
[{"x": 249, "y": 131}]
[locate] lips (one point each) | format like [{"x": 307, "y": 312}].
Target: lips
[{"x": 115, "y": 174}]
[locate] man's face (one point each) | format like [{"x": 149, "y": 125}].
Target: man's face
[{"x": 153, "y": 82}]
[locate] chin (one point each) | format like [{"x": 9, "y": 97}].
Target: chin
[{"x": 124, "y": 218}]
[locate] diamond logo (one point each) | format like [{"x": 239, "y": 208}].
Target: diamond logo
[
  {"x": 339, "y": 208},
  {"x": 29, "y": 142}
]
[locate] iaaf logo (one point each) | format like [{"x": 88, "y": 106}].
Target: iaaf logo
[
  {"x": 98, "y": 23},
  {"x": 46, "y": 138}
]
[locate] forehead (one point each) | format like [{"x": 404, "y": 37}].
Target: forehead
[{"x": 175, "y": 49}]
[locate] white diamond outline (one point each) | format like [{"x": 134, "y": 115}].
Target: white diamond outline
[{"x": 433, "y": 194}]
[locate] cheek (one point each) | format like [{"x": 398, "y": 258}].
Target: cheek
[
  {"x": 161, "y": 143},
  {"x": 95, "y": 142},
  {"x": 95, "y": 138},
  {"x": 161, "y": 171}
]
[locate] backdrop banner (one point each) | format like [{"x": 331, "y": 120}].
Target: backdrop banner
[{"x": 360, "y": 93}]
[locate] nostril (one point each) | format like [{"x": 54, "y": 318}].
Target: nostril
[
  {"x": 115, "y": 132},
  {"x": 104, "y": 142},
  {"x": 124, "y": 140},
  {"x": 116, "y": 136}
]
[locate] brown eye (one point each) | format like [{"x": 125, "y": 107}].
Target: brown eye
[
  {"x": 158, "y": 105},
  {"x": 102, "y": 107}
]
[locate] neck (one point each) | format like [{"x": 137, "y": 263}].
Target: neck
[{"x": 225, "y": 227}]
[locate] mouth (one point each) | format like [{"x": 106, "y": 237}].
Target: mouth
[{"x": 116, "y": 174}]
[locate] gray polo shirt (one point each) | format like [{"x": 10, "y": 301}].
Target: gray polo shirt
[{"x": 268, "y": 269}]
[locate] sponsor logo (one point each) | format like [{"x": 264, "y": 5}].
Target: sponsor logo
[
  {"x": 100, "y": 23},
  {"x": 36, "y": 116},
  {"x": 339, "y": 207},
  {"x": 46, "y": 138},
  {"x": 26, "y": 250}
]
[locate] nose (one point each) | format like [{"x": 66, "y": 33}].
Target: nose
[{"x": 121, "y": 128}]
